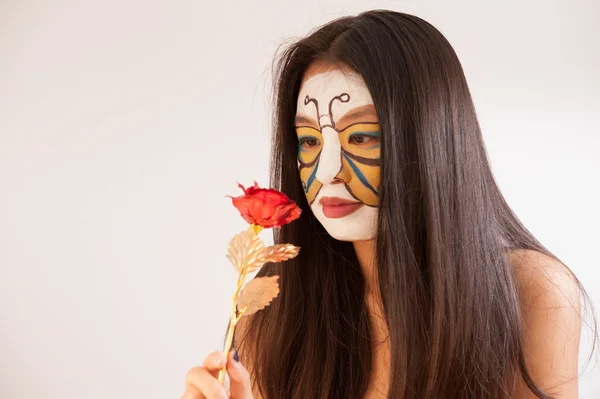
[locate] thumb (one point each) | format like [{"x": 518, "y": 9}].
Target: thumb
[{"x": 239, "y": 378}]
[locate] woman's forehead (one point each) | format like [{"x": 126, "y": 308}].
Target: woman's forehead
[
  {"x": 317, "y": 67},
  {"x": 320, "y": 66},
  {"x": 332, "y": 91}
]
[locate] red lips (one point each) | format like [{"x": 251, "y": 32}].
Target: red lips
[{"x": 335, "y": 207}]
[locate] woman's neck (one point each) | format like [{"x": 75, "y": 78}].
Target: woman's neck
[{"x": 365, "y": 252}]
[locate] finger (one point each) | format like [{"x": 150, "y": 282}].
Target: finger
[
  {"x": 201, "y": 379},
  {"x": 215, "y": 361},
  {"x": 192, "y": 393},
  {"x": 239, "y": 379}
]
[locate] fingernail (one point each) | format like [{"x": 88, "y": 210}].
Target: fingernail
[
  {"x": 235, "y": 355},
  {"x": 218, "y": 361}
]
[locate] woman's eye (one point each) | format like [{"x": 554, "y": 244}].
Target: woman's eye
[
  {"x": 309, "y": 142},
  {"x": 363, "y": 140}
]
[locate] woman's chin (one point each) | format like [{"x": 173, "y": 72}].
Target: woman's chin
[
  {"x": 360, "y": 225},
  {"x": 350, "y": 236}
]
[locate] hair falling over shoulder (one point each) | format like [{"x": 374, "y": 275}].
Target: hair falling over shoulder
[{"x": 444, "y": 230}]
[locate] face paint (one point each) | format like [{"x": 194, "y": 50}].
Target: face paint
[{"x": 339, "y": 153}]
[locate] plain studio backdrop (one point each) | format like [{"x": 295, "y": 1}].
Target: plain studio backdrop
[{"x": 123, "y": 125}]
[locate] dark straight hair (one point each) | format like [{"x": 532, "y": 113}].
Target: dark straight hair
[{"x": 449, "y": 292}]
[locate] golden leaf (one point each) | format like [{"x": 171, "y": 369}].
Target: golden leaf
[
  {"x": 243, "y": 249},
  {"x": 275, "y": 253},
  {"x": 279, "y": 252},
  {"x": 258, "y": 294},
  {"x": 255, "y": 249}
]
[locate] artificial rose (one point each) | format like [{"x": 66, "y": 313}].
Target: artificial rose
[{"x": 265, "y": 207}]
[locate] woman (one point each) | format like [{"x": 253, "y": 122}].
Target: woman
[{"x": 415, "y": 280}]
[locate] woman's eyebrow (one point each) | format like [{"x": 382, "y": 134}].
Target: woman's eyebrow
[
  {"x": 357, "y": 114},
  {"x": 302, "y": 120}
]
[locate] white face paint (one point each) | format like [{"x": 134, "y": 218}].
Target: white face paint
[{"x": 338, "y": 156}]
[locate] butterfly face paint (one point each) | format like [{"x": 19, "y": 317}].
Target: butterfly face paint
[{"x": 339, "y": 152}]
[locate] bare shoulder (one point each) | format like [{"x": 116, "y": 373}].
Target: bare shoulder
[
  {"x": 544, "y": 280},
  {"x": 550, "y": 301}
]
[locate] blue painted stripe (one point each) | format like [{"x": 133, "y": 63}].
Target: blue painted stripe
[
  {"x": 372, "y": 134},
  {"x": 311, "y": 178},
  {"x": 300, "y": 149},
  {"x": 358, "y": 173}
]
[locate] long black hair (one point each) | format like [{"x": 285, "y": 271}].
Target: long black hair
[{"x": 449, "y": 291}]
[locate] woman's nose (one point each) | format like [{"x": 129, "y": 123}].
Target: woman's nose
[{"x": 330, "y": 162}]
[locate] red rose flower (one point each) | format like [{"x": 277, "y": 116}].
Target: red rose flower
[{"x": 265, "y": 207}]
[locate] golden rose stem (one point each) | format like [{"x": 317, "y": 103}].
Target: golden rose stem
[
  {"x": 233, "y": 320},
  {"x": 256, "y": 228},
  {"x": 235, "y": 316},
  {"x": 228, "y": 343}
]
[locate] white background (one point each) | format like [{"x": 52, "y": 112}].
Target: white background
[{"x": 123, "y": 124}]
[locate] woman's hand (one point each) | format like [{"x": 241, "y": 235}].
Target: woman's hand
[{"x": 202, "y": 383}]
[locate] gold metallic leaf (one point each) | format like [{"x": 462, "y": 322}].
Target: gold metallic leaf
[
  {"x": 254, "y": 251},
  {"x": 279, "y": 252},
  {"x": 258, "y": 294},
  {"x": 275, "y": 253},
  {"x": 243, "y": 249},
  {"x": 236, "y": 253}
]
